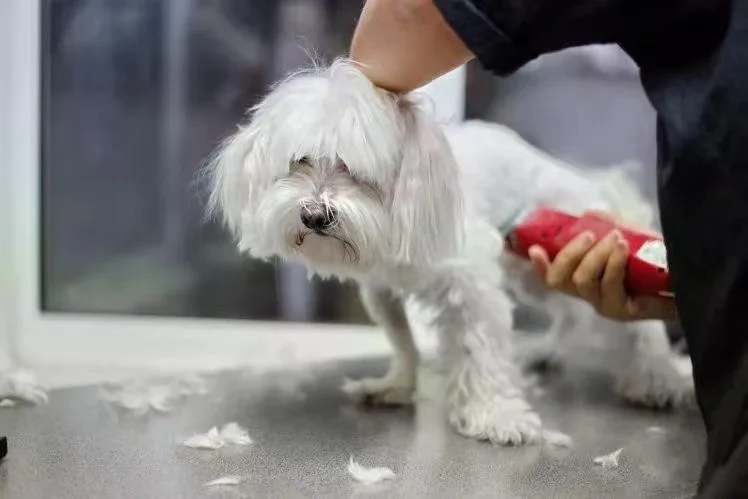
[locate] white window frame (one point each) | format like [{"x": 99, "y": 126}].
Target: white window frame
[{"x": 32, "y": 337}]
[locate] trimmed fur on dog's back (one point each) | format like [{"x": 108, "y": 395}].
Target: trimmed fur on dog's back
[{"x": 503, "y": 173}]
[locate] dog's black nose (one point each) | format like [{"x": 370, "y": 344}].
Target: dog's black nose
[{"x": 318, "y": 220}]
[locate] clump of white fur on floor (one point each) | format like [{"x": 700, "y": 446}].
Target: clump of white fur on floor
[
  {"x": 608, "y": 461},
  {"x": 229, "y": 480},
  {"x": 556, "y": 439},
  {"x": 140, "y": 397},
  {"x": 369, "y": 476},
  {"x": 21, "y": 385},
  {"x": 213, "y": 439}
]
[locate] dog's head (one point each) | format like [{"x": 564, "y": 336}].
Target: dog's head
[{"x": 342, "y": 175}]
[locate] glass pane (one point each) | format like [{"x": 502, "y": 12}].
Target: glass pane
[{"x": 136, "y": 94}]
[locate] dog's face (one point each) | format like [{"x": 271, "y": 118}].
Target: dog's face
[{"x": 341, "y": 175}]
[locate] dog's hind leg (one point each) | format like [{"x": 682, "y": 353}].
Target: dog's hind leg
[
  {"x": 654, "y": 375},
  {"x": 541, "y": 349},
  {"x": 398, "y": 385},
  {"x": 537, "y": 349}
]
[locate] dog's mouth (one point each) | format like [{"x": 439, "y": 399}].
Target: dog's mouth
[
  {"x": 302, "y": 234},
  {"x": 351, "y": 253}
]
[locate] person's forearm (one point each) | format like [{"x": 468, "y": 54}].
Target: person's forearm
[{"x": 404, "y": 44}]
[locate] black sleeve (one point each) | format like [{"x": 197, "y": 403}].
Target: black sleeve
[{"x": 506, "y": 34}]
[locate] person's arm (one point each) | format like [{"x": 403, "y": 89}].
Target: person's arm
[{"x": 404, "y": 44}]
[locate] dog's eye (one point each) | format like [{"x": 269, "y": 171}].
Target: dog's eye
[{"x": 299, "y": 163}]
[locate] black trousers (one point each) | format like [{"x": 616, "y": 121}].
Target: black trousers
[
  {"x": 708, "y": 247},
  {"x": 703, "y": 195}
]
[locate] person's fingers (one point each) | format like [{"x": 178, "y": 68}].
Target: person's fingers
[
  {"x": 587, "y": 276},
  {"x": 612, "y": 285},
  {"x": 568, "y": 259},
  {"x": 540, "y": 260}
]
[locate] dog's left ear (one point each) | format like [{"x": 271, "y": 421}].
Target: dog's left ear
[{"x": 427, "y": 206}]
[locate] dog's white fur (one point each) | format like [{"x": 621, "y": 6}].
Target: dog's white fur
[{"x": 412, "y": 210}]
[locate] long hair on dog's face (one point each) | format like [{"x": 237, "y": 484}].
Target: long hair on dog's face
[{"x": 332, "y": 171}]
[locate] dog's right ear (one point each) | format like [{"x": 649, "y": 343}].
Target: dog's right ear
[{"x": 232, "y": 191}]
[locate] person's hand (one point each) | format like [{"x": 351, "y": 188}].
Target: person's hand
[{"x": 595, "y": 271}]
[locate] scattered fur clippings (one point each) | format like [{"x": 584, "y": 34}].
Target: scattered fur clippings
[
  {"x": 557, "y": 439},
  {"x": 232, "y": 433},
  {"x": 21, "y": 385},
  {"x": 369, "y": 476},
  {"x": 140, "y": 397},
  {"x": 229, "y": 480},
  {"x": 213, "y": 439},
  {"x": 608, "y": 461}
]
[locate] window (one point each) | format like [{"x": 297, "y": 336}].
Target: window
[{"x": 135, "y": 95}]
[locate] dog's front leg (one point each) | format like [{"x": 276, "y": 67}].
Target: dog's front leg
[
  {"x": 484, "y": 398},
  {"x": 398, "y": 385}
]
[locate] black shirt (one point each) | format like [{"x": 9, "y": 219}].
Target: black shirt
[{"x": 693, "y": 59}]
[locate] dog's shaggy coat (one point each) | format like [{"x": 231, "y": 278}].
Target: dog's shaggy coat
[{"x": 362, "y": 184}]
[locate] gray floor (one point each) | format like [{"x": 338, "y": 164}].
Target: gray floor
[{"x": 305, "y": 431}]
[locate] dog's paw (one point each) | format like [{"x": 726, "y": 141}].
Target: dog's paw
[
  {"x": 380, "y": 391},
  {"x": 659, "y": 383},
  {"x": 482, "y": 421}
]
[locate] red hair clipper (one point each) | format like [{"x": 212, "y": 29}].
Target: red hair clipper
[{"x": 646, "y": 273}]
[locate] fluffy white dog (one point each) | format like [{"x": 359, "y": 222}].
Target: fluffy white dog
[{"x": 361, "y": 184}]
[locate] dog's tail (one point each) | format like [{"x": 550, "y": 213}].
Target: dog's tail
[{"x": 624, "y": 196}]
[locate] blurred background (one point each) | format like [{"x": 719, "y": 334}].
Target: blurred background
[{"x": 137, "y": 94}]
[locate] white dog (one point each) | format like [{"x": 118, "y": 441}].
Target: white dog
[{"x": 361, "y": 184}]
